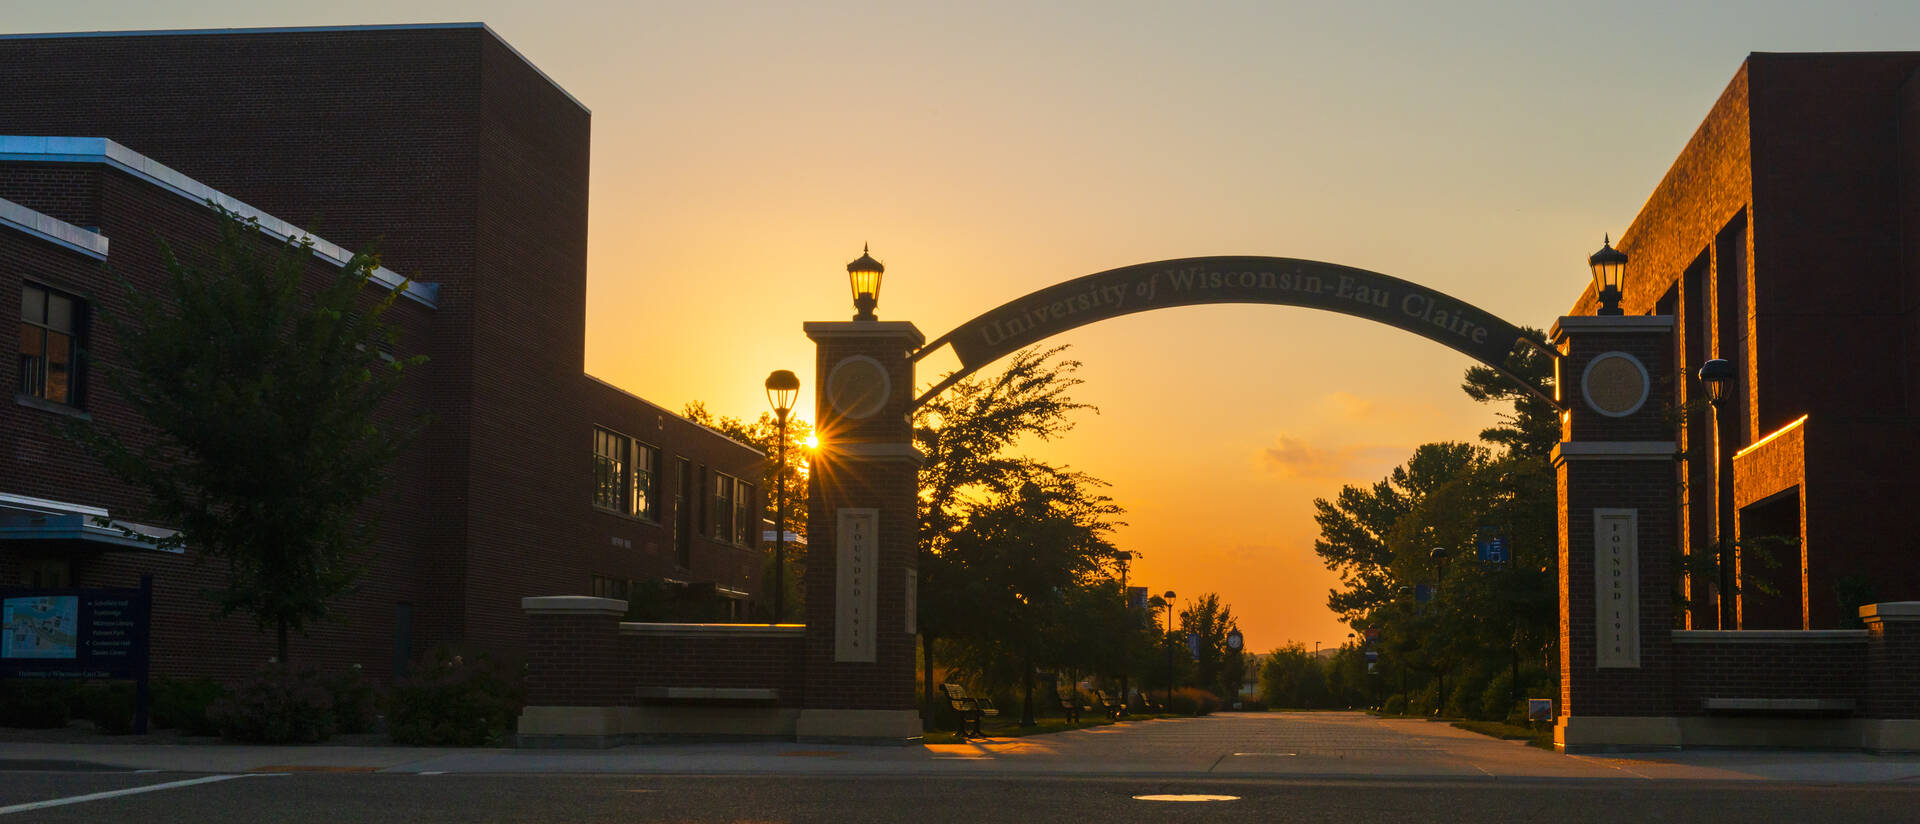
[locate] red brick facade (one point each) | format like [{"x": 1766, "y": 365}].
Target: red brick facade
[
  {"x": 464, "y": 167},
  {"x": 1786, "y": 239}
]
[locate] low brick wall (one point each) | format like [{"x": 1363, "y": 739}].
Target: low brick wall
[
  {"x": 718, "y": 656},
  {"x": 1768, "y": 664}
]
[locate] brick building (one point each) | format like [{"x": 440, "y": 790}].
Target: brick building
[
  {"x": 1786, "y": 239},
  {"x": 466, "y": 168}
]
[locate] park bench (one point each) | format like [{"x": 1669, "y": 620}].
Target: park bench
[
  {"x": 1069, "y": 704},
  {"x": 970, "y": 709},
  {"x": 1114, "y": 709},
  {"x": 1147, "y": 704}
]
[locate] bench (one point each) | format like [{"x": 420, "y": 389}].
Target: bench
[
  {"x": 1069, "y": 701},
  {"x": 970, "y": 709},
  {"x": 1114, "y": 709}
]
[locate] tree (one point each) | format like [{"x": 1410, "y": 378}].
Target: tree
[
  {"x": 1216, "y": 669},
  {"x": 763, "y": 433},
  {"x": 263, "y": 435},
  {"x": 1292, "y": 678},
  {"x": 1412, "y": 534},
  {"x": 967, "y": 433}
]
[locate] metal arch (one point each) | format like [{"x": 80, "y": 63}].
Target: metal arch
[{"x": 1403, "y": 304}]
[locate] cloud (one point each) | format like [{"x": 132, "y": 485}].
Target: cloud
[{"x": 1294, "y": 457}]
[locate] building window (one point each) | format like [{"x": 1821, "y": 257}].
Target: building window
[
  {"x": 723, "y": 507},
  {"x": 743, "y": 513},
  {"x": 625, "y": 474},
  {"x": 646, "y": 472},
  {"x": 50, "y": 344}
]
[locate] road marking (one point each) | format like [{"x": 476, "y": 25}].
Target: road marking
[
  {"x": 61, "y": 802},
  {"x": 431, "y": 772},
  {"x": 1186, "y": 797}
]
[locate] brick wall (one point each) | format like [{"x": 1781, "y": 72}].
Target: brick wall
[
  {"x": 1733, "y": 665},
  {"x": 593, "y": 660}
]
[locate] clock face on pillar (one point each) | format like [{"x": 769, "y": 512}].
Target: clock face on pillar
[
  {"x": 858, "y": 387},
  {"x": 1615, "y": 384}
]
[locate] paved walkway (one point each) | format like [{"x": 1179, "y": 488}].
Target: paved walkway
[{"x": 1265, "y": 745}]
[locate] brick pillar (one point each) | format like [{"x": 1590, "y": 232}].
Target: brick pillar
[
  {"x": 1893, "y": 676},
  {"x": 578, "y": 682},
  {"x": 1618, "y": 510},
  {"x": 862, "y": 540}
]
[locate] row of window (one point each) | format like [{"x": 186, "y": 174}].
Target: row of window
[
  {"x": 51, "y": 326},
  {"x": 626, "y": 477}
]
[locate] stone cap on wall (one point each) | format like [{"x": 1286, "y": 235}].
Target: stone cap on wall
[
  {"x": 1892, "y": 611},
  {"x": 1766, "y": 636},
  {"x": 715, "y": 630},
  {"x": 573, "y": 605}
]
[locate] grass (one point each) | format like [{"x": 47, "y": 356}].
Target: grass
[{"x": 1509, "y": 732}]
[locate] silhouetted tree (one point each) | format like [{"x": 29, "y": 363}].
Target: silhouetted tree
[{"x": 261, "y": 436}]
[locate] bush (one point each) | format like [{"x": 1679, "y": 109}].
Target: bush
[
  {"x": 182, "y": 704},
  {"x": 1396, "y": 705},
  {"x": 1496, "y": 701},
  {"x": 1253, "y": 705},
  {"x": 109, "y": 705},
  {"x": 354, "y": 701},
  {"x": 1191, "y": 701},
  {"x": 35, "y": 704},
  {"x": 453, "y": 702},
  {"x": 278, "y": 704}
]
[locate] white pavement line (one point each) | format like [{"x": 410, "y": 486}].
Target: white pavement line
[
  {"x": 61, "y": 802},
  {"x": 431, "y": 772}
]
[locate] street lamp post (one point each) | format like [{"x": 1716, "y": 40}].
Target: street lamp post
[
  {"x": 1440, "y": 562},
  {"x": 1169, "y": 599},
  {"x": 1718, "y": 375},
  {"x": 1122, "y": 557},
  {"x": 783, "y": 387}
]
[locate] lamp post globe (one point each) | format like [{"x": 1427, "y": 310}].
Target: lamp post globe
[
  {"x": 783, "y": 388},
  {"x": 1609, "y": 265},
  {"x": 863, "y": 275}
]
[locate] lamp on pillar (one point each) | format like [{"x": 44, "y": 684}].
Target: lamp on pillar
[
  {"x": 1718, "y": 375},
  {"x": 1122, "y": 557},
  {"x": 1608, "y": 264},
  {"x": 782, "y": 388},
  {"x": 863, "y": 274}
]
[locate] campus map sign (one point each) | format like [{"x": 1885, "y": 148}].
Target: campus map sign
[
  {"x": 1194, "y": 281},
  {"x": 73, "y": 633}
]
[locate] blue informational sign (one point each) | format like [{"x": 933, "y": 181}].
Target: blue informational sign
[
  {"x": 1422, "y": 593},
  {"x": 1136, "y": 597},
  {"x": 78, "y": 633},
  {"x": 1491, "y": 545},
  {"x": 1193, "y": 645},
  {"x": 73, "y": 633},
  {"x": 1372, "y": 656}
]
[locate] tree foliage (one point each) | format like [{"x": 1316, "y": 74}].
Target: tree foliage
[
  {"x": 262, "y": 435},
  {"x": 1404, "y": 548}
]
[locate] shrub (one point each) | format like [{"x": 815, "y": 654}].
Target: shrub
[
  {"x": 354, "y": 701},
  {"x": 109, "y": 705},
  {"x": 1496, "y": 701},
  {"x": 36, "y": 704},
  {"x": 1396, "y": 705},
  {"x": 278, "y": 704},
  {"x": 1191, "y": 701},
  {"x": 1253, "y": 705},
  {"x": 182, "y": 704},
  {"x": 452, "y": 702}
]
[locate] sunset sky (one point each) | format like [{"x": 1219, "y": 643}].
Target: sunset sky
[{"x": 743, "y": 152}]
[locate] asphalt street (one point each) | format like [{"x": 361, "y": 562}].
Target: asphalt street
[{"x": 1265, "y": 767}]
